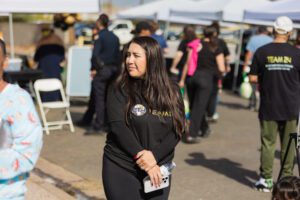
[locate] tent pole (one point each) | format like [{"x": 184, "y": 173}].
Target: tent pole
[
  {"x": 167, "y": 26},
  {"x": 11, "y": 36},
  {"x": 237, "y": 60},
  {"x": 101, "y": 5}
]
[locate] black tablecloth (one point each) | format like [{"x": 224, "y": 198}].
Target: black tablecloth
[{"x": 22, "y": 76}]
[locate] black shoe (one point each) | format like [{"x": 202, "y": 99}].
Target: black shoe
[
  {"x": 94, "y": 131},
  {"x": 252, "y": 108},
  {"x": 206, "y": 133},
  {"x": 105, "y": 129},
  {"x": 82, "y": 123},
  {"x": 190, "y": 140}
]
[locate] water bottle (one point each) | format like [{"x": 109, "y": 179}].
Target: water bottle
[{"x": 167, "y": 168}]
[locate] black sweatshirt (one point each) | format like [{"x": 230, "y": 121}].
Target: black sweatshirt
[{"x": 150, "y": 130}]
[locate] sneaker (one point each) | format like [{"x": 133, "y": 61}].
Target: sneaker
[
  {"x": 191, "y": 140},
  {"x": 264, "y": 185},
  {"x": 216, "y": 116},
  {"x": 251, "y": 108},
  {"x": 206, "y": 133},
  {"x": 213, "y": 118}
]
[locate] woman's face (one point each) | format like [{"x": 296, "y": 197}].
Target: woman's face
[{"x": 136, "y": 61}]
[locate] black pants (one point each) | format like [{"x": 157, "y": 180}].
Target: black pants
[
  {"x": 212, "y": 104},
  {"x": 203, "y": 82},
  {"x": 252, "y": 99},
  {"x": 120, "y": 184},
  {"x": 98, "y": 97},
  {"x": 190, "y": 86}
]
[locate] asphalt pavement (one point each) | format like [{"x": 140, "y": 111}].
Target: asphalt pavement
[{"x": 223, "y": 166}]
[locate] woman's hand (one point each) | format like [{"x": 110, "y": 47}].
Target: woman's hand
[
  {"x": 93, "y": 74},
  {"x": 181, "y": 83},
  {"x": 145, "y": 160},
  {"x": 155, "y": 176}
]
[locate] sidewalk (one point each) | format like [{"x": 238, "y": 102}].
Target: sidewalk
[
  {"x": 39, "y": 189},
  {"x": 52, "y": 182}
]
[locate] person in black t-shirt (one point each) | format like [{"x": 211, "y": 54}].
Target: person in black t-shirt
[
  {"x": 146, "y": 118},
  {"x": 276, "y": 67},
  {"x": 213, "y": 102}
]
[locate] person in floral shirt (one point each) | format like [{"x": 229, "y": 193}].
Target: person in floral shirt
[{"x": 20, "y": 136}]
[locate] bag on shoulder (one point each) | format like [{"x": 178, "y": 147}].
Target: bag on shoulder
[{"x": 192, "y": 63}]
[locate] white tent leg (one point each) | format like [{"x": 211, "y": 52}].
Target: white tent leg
[
  {"x": 237, "y": 60},
  {"x": 11, "y": 36},
  {"x": 167, "y": 28}
]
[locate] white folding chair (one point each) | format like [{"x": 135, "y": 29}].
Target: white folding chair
[{"x": 48, "y": 85}]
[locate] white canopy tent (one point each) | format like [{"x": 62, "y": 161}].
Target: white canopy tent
[
  {"x": 45, "y": 6},
  {"x": 160, "y": 10},
  {"x": 272, "y": 10},
  {"x": 222, "y": 10},
  {"x": 49, "y": 6}
]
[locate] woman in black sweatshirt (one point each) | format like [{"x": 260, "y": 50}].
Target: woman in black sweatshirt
[{"x": 146, "y": 116}]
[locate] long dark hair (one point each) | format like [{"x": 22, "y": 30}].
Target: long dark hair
[
  {"x": 157, "y": 89},
  {"x": 210, "y": 33},
  {"x": 189, "y": 33},
  {"x": 287, "y": 188}
]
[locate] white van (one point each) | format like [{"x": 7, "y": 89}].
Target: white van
[{"x": 122, "y": 29}]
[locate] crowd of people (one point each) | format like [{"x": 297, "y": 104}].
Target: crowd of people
[{"x": 140, "y": 105}]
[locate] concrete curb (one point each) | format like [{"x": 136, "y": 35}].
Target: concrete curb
[
  {"x": 39, "y": 189},
  {"x": 70, "y": 183}
]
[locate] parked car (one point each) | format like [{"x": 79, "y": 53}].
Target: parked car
[
  {"x": 122, "y": 29},
  {"x": 173, "y": 36}
]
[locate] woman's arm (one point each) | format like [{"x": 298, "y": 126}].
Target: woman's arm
[
  {"x": 125, "y": 137},
  {"x": 185, "y": 68},
  {"x": 166, "y": 146},
  {"x": 221, "y": 62},
  {"x": 176, "y": 60},
  {"x": 147, "y": 159}
]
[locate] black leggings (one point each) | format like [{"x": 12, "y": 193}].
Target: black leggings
[
  {"x": 203, "y": 84},
  {"x": 120, "y": 184}
]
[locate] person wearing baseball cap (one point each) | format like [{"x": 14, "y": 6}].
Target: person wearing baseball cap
[
  {"x": 276, "y": 67},
  {"x": 142, "y": 28},
  {"x": 283, "y": 25}
]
